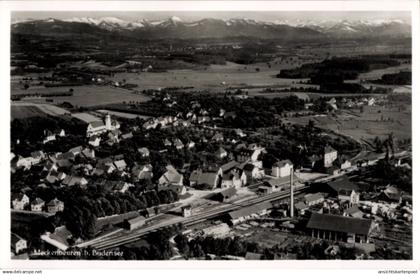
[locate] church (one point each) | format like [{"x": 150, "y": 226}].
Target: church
[{"x": 99, "y": 127}]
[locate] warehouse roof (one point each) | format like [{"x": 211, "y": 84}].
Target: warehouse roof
[
  {"x": 339, "y": 223},
  {"x": 246, "y": 211}
]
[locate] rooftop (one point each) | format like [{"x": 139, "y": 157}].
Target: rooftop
[{"x": 339, "y": 223}]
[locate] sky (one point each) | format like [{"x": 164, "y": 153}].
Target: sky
[{"x": 267, "y": 16}]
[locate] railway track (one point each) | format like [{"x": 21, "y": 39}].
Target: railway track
[{"x": 118, "y": 240}]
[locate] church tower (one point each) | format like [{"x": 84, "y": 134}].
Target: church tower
[{"x": 108, "y": 122}]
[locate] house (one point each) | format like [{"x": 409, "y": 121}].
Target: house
[
  {"x": 59, "y": 239},
  {"x": 313, "y": 199},
  {"x": 253, "y": 172},
  {"x": 218, "y": 137},
  {"x": 282, "y": 168},
  {"x": 268, "y": 187},
  {"x": 209, "y": 180},
  {"x": 236, "y": 179},
  {"x": 343, "y": 162},
  {"x": 186, "y": 211},
  {"x": 275, "y": 184},
  {"x": 52, "y": 177},
  {"x": 245, "y": 155},
  {"x": 203, "y": 119},
  {"x": 37, "y": 205},
  {"x": 95, "y": 141},
  {"x": 112, "y": 138},
  {"x": 144, "y": 152},
  {"x": 350, "y": 196},
  {"x": 50, "y": 166},
  {"x": 20, "y": 201},
  {"x": 333, "y": 103},
  {"x": 126, "y": 136},
  {"x": 354, "y": 212},
  {"x": 18, "y": 244},
  {"x": 190, "y": 144},
  {"x": 37, "y": 156},
  {"x": 391, "y": 195},
  {"x": 240, "y": 132},
  {"x": 332, "y": 170},
  {"x": 245, "y": 213},
  {"x": 76, "y": 150},
  {"x": 229, "y": 167},
  {"x": 121, "y": 187},
  {"x": 20, "y": 161},
  {"x": 55, "y": 206},
  {"x": 221, "y": 153},
  {"x": 330, "y": 155},
  {"x": 60, "y": 132},
  {"x": 311, "y": 161},
  {"x": 167, "y": 143},
  {"x": 64, "y": 156},
  {"x": 171, "y": 176},
  {"x": 120, "y": 165},
  {"x": 178, "y": 189},
  {"x": 301, "y": 208},
  {"x": 74, "y": 180},
  {"x": 142, "y": 172},
  {"x": 135, "y": 223},
  {"x": 88, "y": 153},
  {"x": 340, "y": 228},
  {"x": 178, "y": 144},
  {"x": 342, "y": 182},
  {"x": 48, "y": 136}
]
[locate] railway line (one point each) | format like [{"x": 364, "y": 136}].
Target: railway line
[{"x": 118, "y": 240}]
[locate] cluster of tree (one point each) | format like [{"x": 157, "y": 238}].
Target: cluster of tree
[
  {"x": 387, "y": 173},
  {"x": 400, "y": 78},
  {"x": 30, "y": 131},
  {"x": 200, "y": 246},
  {"x": 331, "y": 73},
  {"x": 84, "y": 205},
  {"x": 298, "y": 143},
  {"x": 16, "y": 97},
  {"x": 158, "y": 246}
]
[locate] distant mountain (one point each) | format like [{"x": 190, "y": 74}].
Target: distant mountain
[
  {"x": 176, "y": 28},
  {"x": 362, "y": 28}
]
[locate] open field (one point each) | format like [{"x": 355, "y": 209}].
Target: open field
[
  {"x": 21, "y": 110},
  {"x": 374, "y": 121},
  {"x": 122, "y": 114},
  {"x": 86, "y": 96},
  {"x": 233, "y": 75}
]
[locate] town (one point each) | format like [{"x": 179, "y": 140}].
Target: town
[{"x": 229, "y": 173}]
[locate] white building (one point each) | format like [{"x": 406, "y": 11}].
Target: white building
[
  {"x": 99, "y": 127},
  {"x": 282, "y": 168},
  {"x": 330, "y": 155}
]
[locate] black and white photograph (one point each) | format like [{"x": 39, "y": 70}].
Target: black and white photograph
[{"x": 210, "y": 135}]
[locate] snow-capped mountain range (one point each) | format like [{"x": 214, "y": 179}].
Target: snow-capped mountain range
[{"x": 209, "y": 27}]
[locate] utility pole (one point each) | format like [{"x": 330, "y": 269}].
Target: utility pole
[{"x": 291, "y": 194}]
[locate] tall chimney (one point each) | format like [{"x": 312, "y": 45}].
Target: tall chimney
[{"x": 291, "y": 194}]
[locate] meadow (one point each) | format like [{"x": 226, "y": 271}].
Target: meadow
[
  {"x": 92, "y": 95},
  {"x": 372, "y": 122}
]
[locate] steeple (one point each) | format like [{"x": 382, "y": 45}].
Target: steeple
[{"x": 108, "y": 121}]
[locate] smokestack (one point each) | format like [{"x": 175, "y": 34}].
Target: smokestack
[{"x": 292, "y": 206}]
